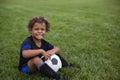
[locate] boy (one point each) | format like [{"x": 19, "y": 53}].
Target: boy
[{"x": 34, "y": 47}]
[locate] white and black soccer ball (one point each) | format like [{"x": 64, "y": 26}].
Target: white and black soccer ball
[{"x": 54, "y": 62}]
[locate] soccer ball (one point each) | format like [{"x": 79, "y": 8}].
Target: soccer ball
[{"x": 54, "y": 62}]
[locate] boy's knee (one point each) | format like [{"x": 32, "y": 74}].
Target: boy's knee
[
  {"x": 34, "y": 63},
  {"x": 37, "y": 59}
]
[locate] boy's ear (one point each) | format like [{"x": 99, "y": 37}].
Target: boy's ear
[{"x": 30, "y": 31}]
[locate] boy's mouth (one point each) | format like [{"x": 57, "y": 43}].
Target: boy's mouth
[{"x": 39, "y": 35}]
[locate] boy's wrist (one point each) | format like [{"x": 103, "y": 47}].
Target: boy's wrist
[{"x": 42, "y": 51}]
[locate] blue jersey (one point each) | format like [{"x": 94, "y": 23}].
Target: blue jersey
[{"x": 29, "y": 44}]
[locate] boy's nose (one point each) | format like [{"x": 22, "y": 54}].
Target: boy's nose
[{"x": 39, "y": 30}]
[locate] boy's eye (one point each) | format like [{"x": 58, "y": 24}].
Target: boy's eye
[
  {"x": 42, "y": 29},
  {"x": 36, "y": 28}
]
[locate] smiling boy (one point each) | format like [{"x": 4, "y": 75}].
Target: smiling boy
[{"x": 34, "y": 47}]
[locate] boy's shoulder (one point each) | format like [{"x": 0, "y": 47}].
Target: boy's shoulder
[
  {"x": 44, "y": 41},
  {"x": 28, "y": 40}
]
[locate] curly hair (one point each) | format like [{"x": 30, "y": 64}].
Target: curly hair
[{"x": 38, "y": 19}]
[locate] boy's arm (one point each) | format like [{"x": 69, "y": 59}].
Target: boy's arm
[
  {"x": 32, "y": 53},
  {"x": 55, "y": 50}
]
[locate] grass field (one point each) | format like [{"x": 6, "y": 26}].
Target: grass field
[{"x": 86, "y": 31}]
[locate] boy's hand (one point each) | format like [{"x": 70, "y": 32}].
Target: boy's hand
[
  {"x": 50, "y": 52},
  {"x": 45, "y": 54},
  {"x": 55, "y": 50}
]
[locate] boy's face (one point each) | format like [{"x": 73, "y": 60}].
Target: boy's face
[{"x": 38, "y": 31}]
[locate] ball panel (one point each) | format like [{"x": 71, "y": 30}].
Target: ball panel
[{"x": 54, "y": 62}]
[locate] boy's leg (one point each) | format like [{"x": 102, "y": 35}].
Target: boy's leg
[
  {"x": 34, "y": 63},
  {"x": 31, "y": 66},
  {"x": 64, "y": 62},
  {"x": 37, "y": 63},
  {"x": 47, "y": 71}
]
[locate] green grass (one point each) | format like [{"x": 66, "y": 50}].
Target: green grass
[{"x": 86, "y": 31}]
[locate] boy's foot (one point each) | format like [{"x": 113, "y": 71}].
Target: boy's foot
[
  {"x": 63, "y": 78},
  {"x": 73, "y": 66}
]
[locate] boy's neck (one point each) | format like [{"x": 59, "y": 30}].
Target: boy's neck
[{"x": 37, "y": 42}]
